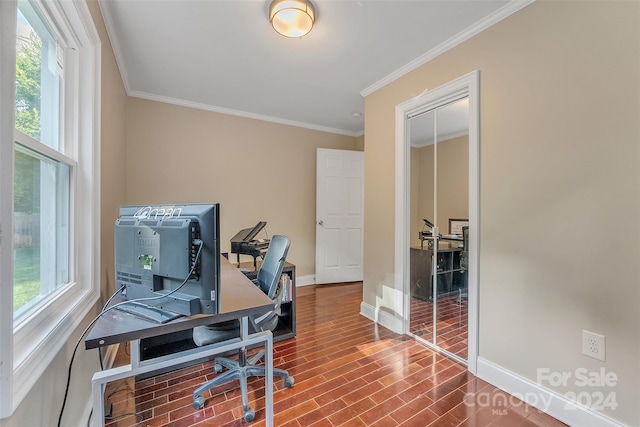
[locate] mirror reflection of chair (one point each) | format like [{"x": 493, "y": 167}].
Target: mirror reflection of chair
[
  {"x": 464, "y": 265},
  {"x": 268, "y": 280}
]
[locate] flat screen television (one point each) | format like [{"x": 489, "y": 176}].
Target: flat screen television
[{"x": 161, "y": 248}]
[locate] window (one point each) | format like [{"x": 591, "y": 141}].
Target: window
[
  {"x": 42, "y": 183},
  {"x": 39, "y": 73},
  {"x": 49, "y": 234},
  {"x": 41, "y": 229}
]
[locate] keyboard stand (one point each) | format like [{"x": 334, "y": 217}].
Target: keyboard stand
[{"x": 148, "y": 312}]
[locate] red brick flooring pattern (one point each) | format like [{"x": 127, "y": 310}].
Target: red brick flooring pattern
[
  {"x": 348, "y": 372},
  {"x": 452, "y": 322}
]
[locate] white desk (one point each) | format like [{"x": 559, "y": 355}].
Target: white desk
[{"x": 239, "y": 299}]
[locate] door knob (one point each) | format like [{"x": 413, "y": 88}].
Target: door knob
[{"x": 320, "y": 222}]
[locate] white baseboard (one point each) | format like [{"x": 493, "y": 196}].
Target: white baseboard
[
  {"x": 382, "y": 317},
  {"x": 305, "y": 280},
  {"x": 548, "y": 401},
  {"x": 108, "y": 359},
  {"x": 87, "y": 410}
]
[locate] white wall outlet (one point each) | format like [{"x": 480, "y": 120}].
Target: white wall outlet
[{"x": 593, "y": 345}]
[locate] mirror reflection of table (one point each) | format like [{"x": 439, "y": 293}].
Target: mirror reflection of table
[
  {"x": 428, "y": 236},
  {"x": 450, "y": 276}
]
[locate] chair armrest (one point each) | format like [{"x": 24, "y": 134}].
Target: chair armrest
[{"x": 256, "y": 323}]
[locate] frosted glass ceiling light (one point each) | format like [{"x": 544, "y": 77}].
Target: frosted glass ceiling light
[{"x": 292, "y": 18}]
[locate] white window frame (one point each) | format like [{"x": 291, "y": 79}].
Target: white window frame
[{"x": 27, "y": 348}]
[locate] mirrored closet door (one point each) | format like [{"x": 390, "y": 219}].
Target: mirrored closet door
[{"x": 439, "y": 212}]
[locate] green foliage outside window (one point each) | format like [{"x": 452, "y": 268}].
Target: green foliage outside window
[
  {"x": 27, "y": 168},
  {"x": 28, "y": 64}
]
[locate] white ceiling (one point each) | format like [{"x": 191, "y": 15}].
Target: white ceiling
[{"x": 223, "y": 55}]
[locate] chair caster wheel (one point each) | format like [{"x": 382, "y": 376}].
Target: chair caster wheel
[
  {"x": 249, "y": 415},
  {"x": 288, "y": 382},
  {"x": 198, "y": 402},
  {"x": 217, "y": 368}
]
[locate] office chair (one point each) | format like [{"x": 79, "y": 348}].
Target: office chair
[
  {"x": 268, "y": 280},
  {"x": 464, "y": 264}
]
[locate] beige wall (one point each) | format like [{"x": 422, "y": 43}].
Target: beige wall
[
  {"x": 113, "y": 155},
  {"x": 257, "y": 171},
  {"x": 453, "y": 185},
  {"x": 559, "y": 187}
]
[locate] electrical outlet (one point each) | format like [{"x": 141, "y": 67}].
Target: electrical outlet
[{"x": 593, "y": 345}]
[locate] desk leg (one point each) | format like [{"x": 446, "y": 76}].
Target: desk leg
[
  {"x": 101, "y": 378},
  {"x": 97, "y": 418},
  {"x": 268, "y": 360},
  {"x": 134, "y": 349}
]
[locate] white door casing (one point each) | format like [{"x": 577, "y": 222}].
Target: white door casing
[
  {"x": 339, "y": 215},
  {"x": 467, "y": 85}
]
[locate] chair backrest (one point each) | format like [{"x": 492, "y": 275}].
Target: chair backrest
[
  {"x": 464, "y": 255},
  {"x": 272, "y": 265}
]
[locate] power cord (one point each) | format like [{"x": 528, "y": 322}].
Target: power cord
[{"x": 105, "y": 309}]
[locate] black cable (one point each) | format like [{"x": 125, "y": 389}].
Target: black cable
[
  {"x": 184, "y": 282},
  {"x": 120, "y": 289},
  {"x": 66, "y": 391},
  {"x": 103, "y": 307},
  {"x": 104, "y": 310},
  {"x": 117, "y": 390}
]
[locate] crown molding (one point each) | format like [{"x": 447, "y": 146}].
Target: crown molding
[
  {"x": 502, "y": 13},
  {"x": 112, "y": 34},
  {"x": 247, "y": 115}
]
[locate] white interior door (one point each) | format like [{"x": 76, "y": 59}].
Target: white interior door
[{"x": 339, "y": 215}]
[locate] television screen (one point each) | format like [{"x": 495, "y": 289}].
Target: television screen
[{"x": 159, "y": 249}]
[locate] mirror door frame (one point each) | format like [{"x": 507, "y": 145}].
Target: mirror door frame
[{"x": 467, "y": 85}]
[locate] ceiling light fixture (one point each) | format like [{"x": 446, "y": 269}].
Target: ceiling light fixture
[{"x": 292, "y": 18}]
